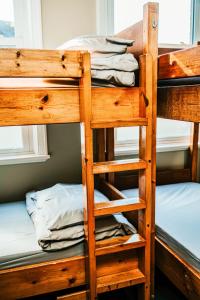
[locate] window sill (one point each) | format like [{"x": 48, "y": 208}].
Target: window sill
[
  {"x": 23, "y": 159},
  {"x": 121, "y": 151}
]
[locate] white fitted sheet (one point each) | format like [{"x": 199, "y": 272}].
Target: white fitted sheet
[{"x": 178, "y": 218}]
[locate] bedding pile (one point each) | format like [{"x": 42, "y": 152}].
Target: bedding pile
[
  {"x": 57, "y": 214},
  {"x": 110, "y": 62}
]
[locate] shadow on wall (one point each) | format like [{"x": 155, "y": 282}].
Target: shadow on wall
[{"x": 63, "y": 166}]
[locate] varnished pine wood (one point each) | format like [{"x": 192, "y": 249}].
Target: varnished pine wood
[
  {"x": 60, "y": 105},
  {"x": 127, "y": 123},
  {"x": 150, "y": 44},
  {"x": 118, "y": 244},
  {"x": 181, "y": 63},
  {"x": 116, "y": 206},
  {"x": 110, "y": 191},
  {"x": 87, "y": 173},
  {"x": 120, "y": 280},
  {"x": 178, "y": 271},
  {"x": 110, "y": 151},
  {"x": 134, "y": 32},
  {"x": 145, "y": 177},
  {"x": 122, "y": 104},
  {"x": 194, "y": 148},
  {"x": 75, "y": 296},
  {"x": 179, "y": 103},
  {"x": 119, "y": 165},
  {"x": 42, "y": 278},
  {"x": 101, "y": 148},
  {"x": 40, "y": 63},
  {"x": 130, "y": 180}
]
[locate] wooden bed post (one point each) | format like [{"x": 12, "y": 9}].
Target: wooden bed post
[
  {"x": 150, "y": 44},
  {"x": 194, "y": 151},
  {"x": 87, "y": 174},
  {"x": 145, "y": 187}
]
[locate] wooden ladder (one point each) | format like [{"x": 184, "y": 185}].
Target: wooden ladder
[{"x": 142, "y": 204}]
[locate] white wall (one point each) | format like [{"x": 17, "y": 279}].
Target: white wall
[{"x": 65, "y": 19}]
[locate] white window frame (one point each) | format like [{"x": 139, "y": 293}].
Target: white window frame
[
  {"x": 30, "y": 36},
  {"x": 105, "y": 26}
]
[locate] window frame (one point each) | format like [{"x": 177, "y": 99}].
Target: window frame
[
  {"x": 105, "y": 25},
  {"x": 34, "y": 137}
]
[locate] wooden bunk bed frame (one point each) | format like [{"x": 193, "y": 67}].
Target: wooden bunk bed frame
[
  {"x": 51, "y": 101},
  {"x": 182, "y": 103}
]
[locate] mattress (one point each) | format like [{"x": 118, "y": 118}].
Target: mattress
[
  {"x": 18, "y": 243},
  {"x": 178, "y": 219},
  {"x": 179, "y": 81}
]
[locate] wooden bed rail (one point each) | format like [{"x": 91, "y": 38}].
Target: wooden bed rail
[{"x": 40, "y": 63}]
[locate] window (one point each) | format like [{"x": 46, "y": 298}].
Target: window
[
  {"x": 174, "y": 29},
  {"x": 20, "y": 26}
]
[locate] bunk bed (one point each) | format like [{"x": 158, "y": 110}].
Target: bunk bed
[
  {"x": 178, "y": 99},
  {"x": 52, "y": 87}
]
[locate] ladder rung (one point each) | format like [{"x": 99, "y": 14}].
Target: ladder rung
[
  {"x": 121, "y": 123},
  {"x": 116, "y": 206},
  {"x": 119, "y": 244},
  {"x": 82, "y": 295},
  {"x": 119, "y": 165},
  {"x": 120, "y": 280}
]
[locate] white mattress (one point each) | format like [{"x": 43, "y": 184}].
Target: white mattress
[
  {"x": 178, "y": 218},
  {"x": 18, "y": 242}
]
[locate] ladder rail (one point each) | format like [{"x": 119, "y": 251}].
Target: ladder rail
[{"x": 87, "y": 174}]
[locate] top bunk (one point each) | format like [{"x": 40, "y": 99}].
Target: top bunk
[
  {"x": 179, "y": 85},
  {"x": 179, "y": 66},
  {"x": 47, "y": 86}
]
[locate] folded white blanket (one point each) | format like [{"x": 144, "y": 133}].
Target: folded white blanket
[
  {"x": 57, "y": 214},
  {"x": 98, "y": 45},
  {"x": 119, "y": 78},
  {"x": 124, "y": 62},
  {"x": 110, "y": 62}
]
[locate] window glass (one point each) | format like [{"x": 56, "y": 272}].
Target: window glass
[
  {"x": 7, "y": 29},
  {"x": 11, "y": 138},
  {"x": 174, "y": 27}
]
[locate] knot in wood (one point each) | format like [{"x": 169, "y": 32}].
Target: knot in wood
[
  {"x": 45, "y": 99},
  {"x": 18, "y": 54},
  {"x": 72, "y": 280}
]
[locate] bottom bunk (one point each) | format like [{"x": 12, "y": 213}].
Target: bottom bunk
[
  {"x": 25, "y": 265},
  {"x": 177, "y": 238}
]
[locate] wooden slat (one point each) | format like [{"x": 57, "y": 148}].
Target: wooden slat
[
  {"x": 74, "y": 296},
  {"x": 129, "y": 180},
  {"x": 60, "y": 105},
  {"x": 110, "y": 151},
  {"x": 110, "y": 191},
  {"x": 115, "y": 104},
  {"x": 121, "y": 123},
  {"x": 179, "y": 103},
  {"x": 116, "y": 206},
  {"x": 42, "y": 278},
  {"x": 41, "y": 106},
  {"x": 178, "y": 271},
  {"x": 119, "y": 280},
  {"x": 119, "y": 244},
  {"x": 182, "y": 63},
  {"x": 119, "y": 166},
  {"x": 40, "y": 63},
  {"x": 134, "y": 32}
]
